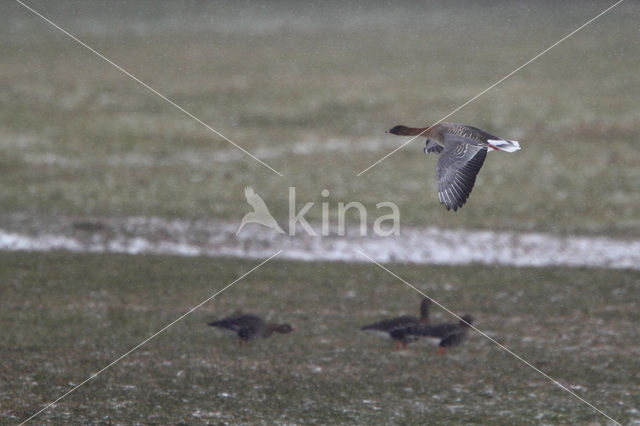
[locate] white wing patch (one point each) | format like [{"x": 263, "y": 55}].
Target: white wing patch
[{"x": 503, "y": 145}]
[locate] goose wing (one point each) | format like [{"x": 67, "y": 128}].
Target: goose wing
[
  {"x": 247, "y": 320},
  {"x": 454, "y": 338},
  {"x": 436, "y": 330},
  {"x": 237, "y": 321},
  {"x": 392, "y": 323},
  {"x": 458, "y": 166},
  {"x": 433, "y": 146}
]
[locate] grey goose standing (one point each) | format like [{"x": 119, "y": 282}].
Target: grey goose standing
[{"x": 462, "y": 152}]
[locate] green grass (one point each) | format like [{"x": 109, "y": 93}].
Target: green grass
[
  {"x": 65, "y": 316},
  {"x": 79, "y": 137}
]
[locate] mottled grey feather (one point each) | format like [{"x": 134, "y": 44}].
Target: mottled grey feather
[
  {"x": 433, "y": 146},
  {"x": 458, "y": 166}
]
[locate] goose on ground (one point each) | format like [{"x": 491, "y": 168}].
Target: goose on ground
[
  {"x": 462, "y": 150},
  {"x": 249, "y": 326},
  {"x": 392, "y": 328},
  {"x": 448, "y": 334}
]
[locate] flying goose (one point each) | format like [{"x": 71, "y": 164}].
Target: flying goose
[
  {"x": 249, "y": 326},
  {"x": 462, "y": 151},
  {"x": 393, "y": 328}
]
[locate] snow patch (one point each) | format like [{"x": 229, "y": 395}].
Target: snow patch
[{"x": 432, "y": 245}]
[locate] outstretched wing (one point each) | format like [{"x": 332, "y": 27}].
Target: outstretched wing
[{"x": 458, "y": 166}]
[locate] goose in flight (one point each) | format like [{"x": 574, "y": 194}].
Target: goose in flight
[
  {"x": 462, "y": 151},
  {"x": 260, "y": 214}
]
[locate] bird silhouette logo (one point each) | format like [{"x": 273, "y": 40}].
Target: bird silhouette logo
[{"x": 260, "y": 213}]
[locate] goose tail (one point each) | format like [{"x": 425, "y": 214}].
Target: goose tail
[{"x": 503, "y": 145}]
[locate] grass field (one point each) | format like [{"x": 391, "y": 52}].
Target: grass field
[
  {"x": 78, "y": 136},
  {"x": 66, "y": 316},
  {"x": 310, "y": 90}
]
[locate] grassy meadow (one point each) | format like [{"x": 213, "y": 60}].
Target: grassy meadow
[
  {"x": 310, "y": 90},
  {"x": 79, "y": 137},
  {"x": 66, "y": 316}
]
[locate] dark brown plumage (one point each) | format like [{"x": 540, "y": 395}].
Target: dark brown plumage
[
  {"x": 393, "y": 327},
  {"x": 462, "y": 151},
  {"x": 449, "y": 334},
  {"x": 249, "y": 326}
]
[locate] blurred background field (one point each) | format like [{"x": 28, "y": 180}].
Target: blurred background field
[{"x": 310, "y": 89}]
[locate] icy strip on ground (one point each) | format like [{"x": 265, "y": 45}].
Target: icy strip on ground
[{"x": 141, "y": 235}]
